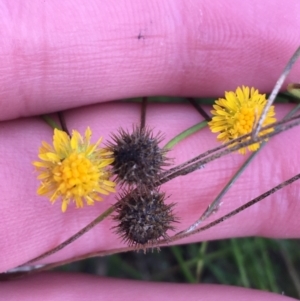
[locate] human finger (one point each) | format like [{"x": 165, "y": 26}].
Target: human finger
[
  {"x": 72, "y": 287},
  {"x": 58, "y": 55}
]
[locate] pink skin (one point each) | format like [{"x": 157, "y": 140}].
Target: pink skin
[{"x": 65, "y": 54}]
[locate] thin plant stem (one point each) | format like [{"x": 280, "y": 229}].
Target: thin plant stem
[
  {"x": 75, "y": 236},
  {"x": 232, "y": 146},
  {"x": 213, "y": 207},
  {"x": 292, "y": 112},
  {"x": 274, "y": 92},
  {"x": 50, "y": 122},
  {"x": 188, "y": 132},
  {"x": 170, "y": 239},
  {"x": 197, "y": 106},
  {"x": 144, "y": 111},
  {"x": 63, "y": 123},
  {"x": 179, "y": 171},
  {"x": 289, "y": 96},
  {"x": 234, "y": 212},
  {"x": 215, "y": 204}
]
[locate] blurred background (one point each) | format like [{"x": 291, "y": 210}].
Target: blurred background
[{"x": 265, "y": 264}]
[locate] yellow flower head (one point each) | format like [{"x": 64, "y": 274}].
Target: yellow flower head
[
  {"x": 73, "y": 169},
  {"x": 235, "y": 115}
]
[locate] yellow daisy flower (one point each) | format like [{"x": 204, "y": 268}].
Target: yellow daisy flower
[
  {"x": 73, "y": 169},
  {"x": 235, "y": 115}
]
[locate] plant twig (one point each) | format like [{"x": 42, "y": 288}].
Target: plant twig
[
  {"x": 143, "y": 112},
  {"x": 75, "y": 236},
  {"x": 63, "y": 123},
  {"x": 214, "y": 205},
  {"x": 229, "y": 146},
  {"x": 170, "y": 239},
  {"x": 50, "y": 122},
  {"x": 199, "y": 108},
  {"x": 274, "y": 92},
  {"x": 185, "y": 169},
  {"x": 236, "y": 211}
]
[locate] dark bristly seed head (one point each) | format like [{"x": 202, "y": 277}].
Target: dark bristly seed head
[
  {"x": 138, "y": 158},
  {"x": 143, "y": 218}
]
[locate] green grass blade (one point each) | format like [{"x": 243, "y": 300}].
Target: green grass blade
[
  {"x": 185, "y": 134},
  {"x": 184, "y": 268},
  {"x": 238, "y": 255}
]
